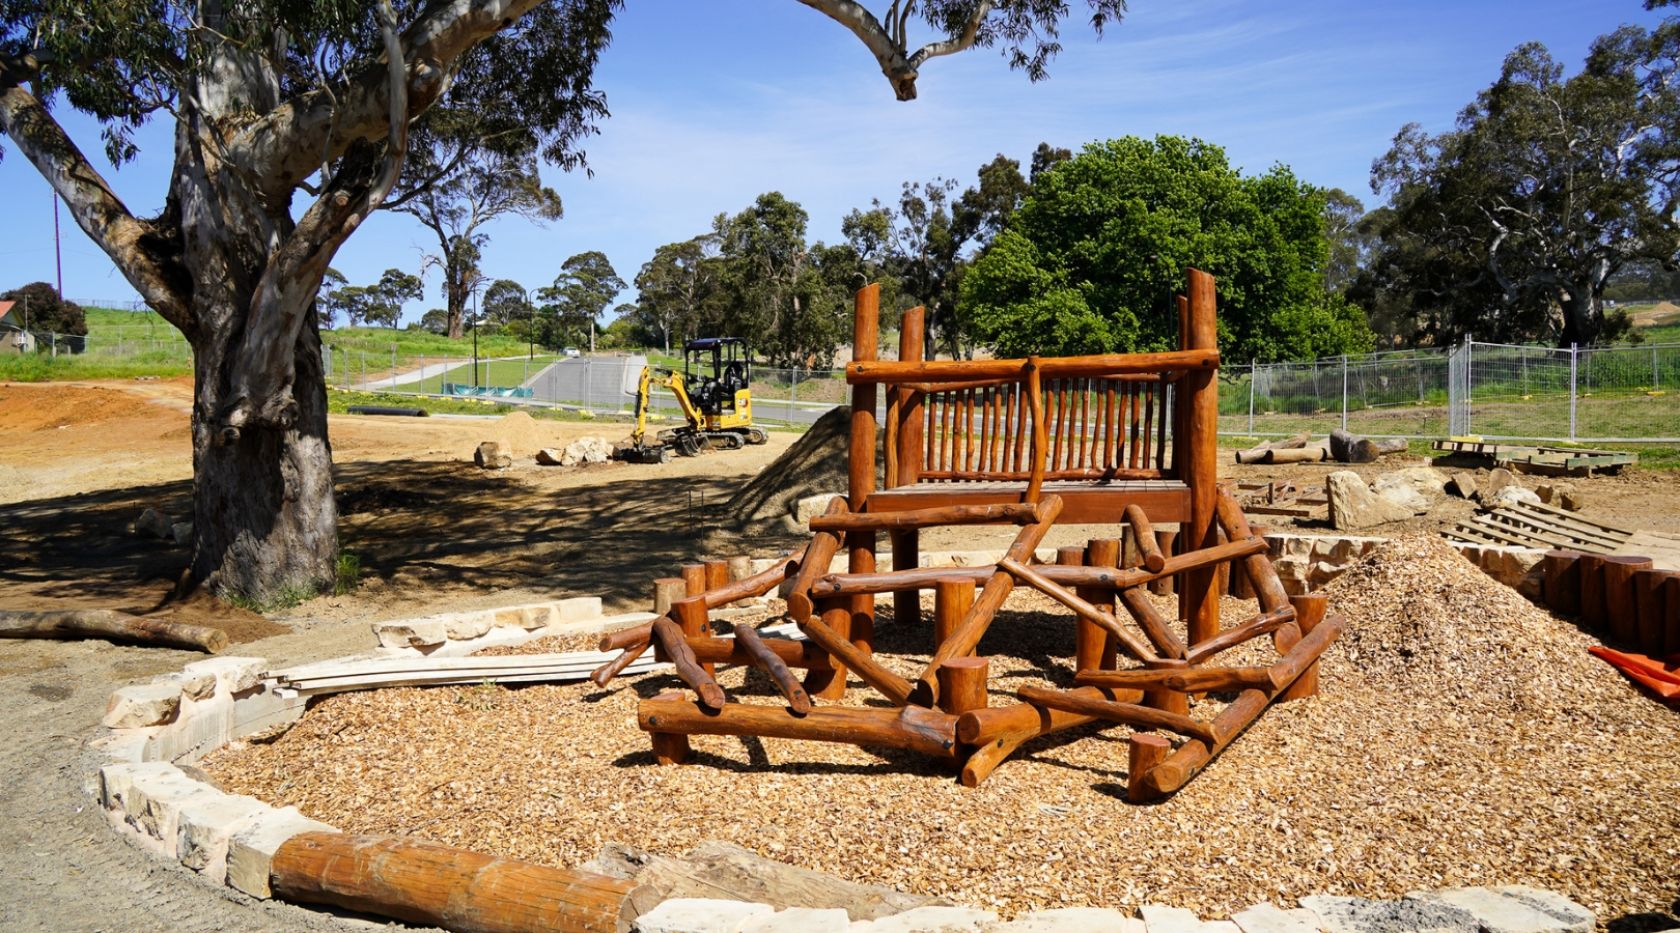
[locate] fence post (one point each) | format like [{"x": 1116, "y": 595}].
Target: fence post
[
  {"x": 393, "y": 364},
  {"x": 1253, "y": 373},
  {"x": 1344, "y": 391},
  {"x": 1573, "y": 354}
]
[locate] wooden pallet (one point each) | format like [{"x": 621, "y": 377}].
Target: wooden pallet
[
  {"x": 1566, "y": 461},
  {"x": 1540, "y": 526},
  {"x": 1284, "y": 498}
]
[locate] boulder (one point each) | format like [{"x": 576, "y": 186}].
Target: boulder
[
  {"x": 1353, "y": 505},
  {"x": 489, "y": 455},
  {"x": 811, "y": 506},
  {"x": 1417, "y": 488},
  {"x": 548, "y": 456},
  {"x": 181, "y": 532},
  {"x": 154, "y": 523},
  {"x": 1509, "y": 496},
  {"x": 1464, "y": 484},
  {"x": 1561, "y": 495},
  {"x": 1496, "y": 480}
]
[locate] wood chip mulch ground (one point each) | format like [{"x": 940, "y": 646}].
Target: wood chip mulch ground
[{"x": 1462, "y": 736}]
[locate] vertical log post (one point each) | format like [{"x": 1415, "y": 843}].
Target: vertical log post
[
  {"x": 827, "y": 680},
  {"x": 694, "y": 578},
  {"x": 1198, "y": 601},
  {"x": 962, "y": 685},
  {"x": 667, "y": 590},
  {"x": 906, "y": 544},
  {"x": 670, "y": 748},
  {"x": 717, "y": 574},
  {"x": 1648, "y": 604},
  {"x": 951, "y": 599},
  {"x": 1167, "y": 542},
  {"x": 1144, "y": 750},
  {"x": 1671, "y": 615},
  {"x": 1591, "y": 568},
  {"x": 1560, "y": 583},
  {"x": 1040, "y": 430},
  {"x": 860, "y": 463},
  {"x": 1309, "y": 612},
  {"x": 1619, "y": 608},
  {"x": 1104, "y": 552}
]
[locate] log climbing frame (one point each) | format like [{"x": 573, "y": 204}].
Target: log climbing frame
[{"x": 1127, "y": 440}]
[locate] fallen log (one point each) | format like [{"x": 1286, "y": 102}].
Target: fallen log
[
  {"x": 1312, "y": 453},
  {"x": 440, "y": 886},
  {"x": 1346, "y": 447},
  {"x": 1258, "y": 454},
  {"x": 110, "y": 624},
  {"x": 929, "y": 732}
]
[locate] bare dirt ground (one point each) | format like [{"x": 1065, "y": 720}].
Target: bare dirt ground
[{"x": 79, "y": 462}]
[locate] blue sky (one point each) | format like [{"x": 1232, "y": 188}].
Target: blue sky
[{"x": 715, "y": 102}]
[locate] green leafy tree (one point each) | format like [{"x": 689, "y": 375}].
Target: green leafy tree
[
  {"x": 1350, "y": 239},
  {"x": 586, "y": 285},
  {"x": 326, "y": 310},
  {"x": 506, "y": 306},
  {"x": 765, "y": 286},
  {"x": 291, "y": 124},
  {"x": 1511, "y": 226},
  {"x": 435, "y": 320},
  {"x": 41, "y": 310},
  {"x": 385, "y": 298},
  {"x": 674, "y": 288},
  {"x": 1089, "y": 262}
]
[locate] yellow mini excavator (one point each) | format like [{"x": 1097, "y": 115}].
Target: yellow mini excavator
[{"x": 717, "y": 408}]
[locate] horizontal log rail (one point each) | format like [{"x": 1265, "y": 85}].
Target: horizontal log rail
[
  {"x": 932, "y": 372},
  {"x": 1131, "y": 714},
  {"x": 994, "y": 382},
  {"x": 1019, "y": 513},
  {"x": 927, "y": 731},
  {"x": 893, "y": 581},
  {"x": 1194, "y": 680}
]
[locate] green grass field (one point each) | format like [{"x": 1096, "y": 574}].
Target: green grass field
[
  {"x": 340, "y": 400},
  {"x": 499, "y": 373}
]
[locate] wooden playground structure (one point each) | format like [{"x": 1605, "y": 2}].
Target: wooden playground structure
[{"x": 1127, "y": 440}]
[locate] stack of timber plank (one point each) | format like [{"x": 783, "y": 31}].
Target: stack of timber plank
[
  {"x": 1543, "y": 461},
  {"x": 376, "y": 673},
  {"x": 1537, "y": 525}
]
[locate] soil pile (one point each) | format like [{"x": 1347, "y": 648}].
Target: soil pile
[
  {"x": 520, "y": 435},
  {"x": 815, "y": 464},
  {"x": 30, "y": 409}
]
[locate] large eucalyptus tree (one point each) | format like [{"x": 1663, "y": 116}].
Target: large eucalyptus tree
[{"x": 292, "y": 123}]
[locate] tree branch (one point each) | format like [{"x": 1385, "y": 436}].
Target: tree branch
[
  {"x": 95, "y": 207},
  {"x": 955, "y": 44},
  {"x": 863, "y": 24},
  {"x": 261, "y": 377},
  {"x": 284, "y": 145}
]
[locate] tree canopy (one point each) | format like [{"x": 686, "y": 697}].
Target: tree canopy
[
  {"x": 1090, "y": 261},
  {"x": 42, "y": 310},
  {"x": 1511, "y": 225}
]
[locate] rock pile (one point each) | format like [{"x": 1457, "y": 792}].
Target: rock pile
[{"x": 582, "y": 450}]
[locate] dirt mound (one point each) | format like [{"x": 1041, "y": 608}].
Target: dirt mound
[
  {"x": 520, "y": 435},
  {"x": 31, "y": 409},
  {"x": 816, "y": 463}
]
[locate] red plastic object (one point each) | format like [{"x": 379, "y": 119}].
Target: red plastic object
[{"x": 1660, "y": 675}]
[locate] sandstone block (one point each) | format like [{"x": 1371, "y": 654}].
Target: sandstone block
[
  {"x": 150, "y": 704},
  {"x": 233, "y": 674},
  {"x": 1269, "y": 918},
  {"x": 1515, "y": 909},
  {"x": 156, "y": 794},
  {"x": 933, "y": 920},
  {"x": 1070, "y": 920},
  {"x": 411, "y": 633},
  {"x": 251, "y": 849},
  {"x": 1353, "y": 505},
  {"x": 1359, "y": 915},
  {"x": 1162, "y": 919},
  {"x": 811, "y": 506},
  {"x": 802, "y": 919},
  {"x": 206, "y": 826},
  {"x": 491, "y": 456},
  {"x": 700, "y": 915}
]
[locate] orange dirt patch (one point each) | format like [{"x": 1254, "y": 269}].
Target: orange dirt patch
[{"x": 28, "y": 408}]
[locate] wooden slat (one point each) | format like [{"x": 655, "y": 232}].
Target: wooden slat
[
  {"x": 1108, "y": 364},
  {"x": 1132, "y": 446}
]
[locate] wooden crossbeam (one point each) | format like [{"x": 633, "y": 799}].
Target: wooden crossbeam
[
  {"x": 1017, "y": 513},
  {"x": 1133, "y": 644},
  {"x": 772, "y": 664},
  {"x": 1131, "y": 714},
  {"x": 1184, "y": 680},
  {"x": 1262, "y": 624}
]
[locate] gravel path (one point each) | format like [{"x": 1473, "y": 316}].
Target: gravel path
[{"x": 62, "y": 867}]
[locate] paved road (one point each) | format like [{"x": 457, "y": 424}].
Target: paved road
[{"x": 609, "y": 384}]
